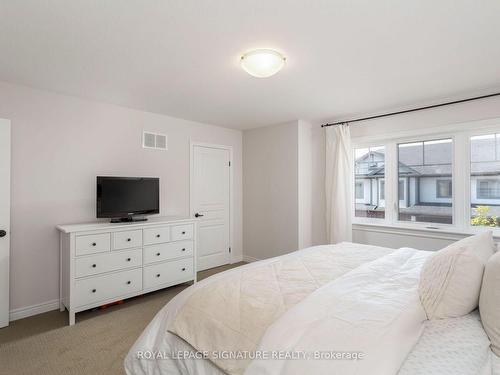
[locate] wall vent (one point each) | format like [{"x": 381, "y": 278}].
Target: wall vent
[{"x": 154, "y": 141}]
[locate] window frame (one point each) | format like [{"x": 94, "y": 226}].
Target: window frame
[
  {"x": 429, "y": 138},
  {"x": 461, "y": 180}
]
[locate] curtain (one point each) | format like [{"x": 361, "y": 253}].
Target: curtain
[{"x": 338, "y": 183}]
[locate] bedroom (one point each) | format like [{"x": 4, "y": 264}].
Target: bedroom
[{"x": 267, "y": 233}]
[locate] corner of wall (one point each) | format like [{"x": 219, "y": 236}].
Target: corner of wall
[{"x": 304, "y": 166}]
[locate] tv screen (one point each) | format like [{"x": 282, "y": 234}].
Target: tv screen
[{"x": 124, "y": 197}]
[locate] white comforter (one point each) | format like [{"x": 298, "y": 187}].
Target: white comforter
[
  {"x": 373, "y": 309},
  {"x": 232, "y": 314}
]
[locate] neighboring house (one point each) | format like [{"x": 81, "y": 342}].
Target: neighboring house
[{"x": 424, "y": 189}]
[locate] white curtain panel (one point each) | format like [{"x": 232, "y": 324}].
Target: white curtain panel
[{"x": 338, "y": 183}]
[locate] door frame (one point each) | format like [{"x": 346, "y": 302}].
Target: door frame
[
  {"x": 192, "y": 145},
  {"x": 6, "y": 302}
]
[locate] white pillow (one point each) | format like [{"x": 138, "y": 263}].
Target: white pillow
[
  {"x": 489, "y": 302},
  {"x": 450, "y": 280}
]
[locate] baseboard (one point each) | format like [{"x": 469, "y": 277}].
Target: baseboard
[
  {"x": 236, "y": 259},
  {"x": 249, "y": 259},
  {"x": 24, "y": 312}
]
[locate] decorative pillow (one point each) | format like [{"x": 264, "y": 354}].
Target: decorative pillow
[
  {"x": 450, "y": 280},
  {"x": 489, "y": 302}
]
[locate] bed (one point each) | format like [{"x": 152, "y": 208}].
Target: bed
[{"x": 334, "y": 300}]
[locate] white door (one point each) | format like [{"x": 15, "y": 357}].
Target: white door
[
  {"x": 210, "y": 199},
  {"x": 4, "y": 220}
]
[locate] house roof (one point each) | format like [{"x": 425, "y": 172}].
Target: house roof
[{"x": 488, "y": 168}]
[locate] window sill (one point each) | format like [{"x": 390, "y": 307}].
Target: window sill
[{"x": 445, "y": 232}]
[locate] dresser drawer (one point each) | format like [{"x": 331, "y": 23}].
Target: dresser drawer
[
  {"x": 156, "y": 235},
  {"x": 127, "y": 240},
  {"x": 92, "y": 243},
  {"x": 166, "y": 251},
  {"x": 100, "y": 288},
  {"x": 114, "y": 261},
  {"x": 168, "y": 272},
  {"x": 182, "y": 232}
]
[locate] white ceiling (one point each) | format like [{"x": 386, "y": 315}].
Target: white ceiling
[{"x": 180, "y": 57}]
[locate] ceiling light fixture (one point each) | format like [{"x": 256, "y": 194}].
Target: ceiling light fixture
[{"x": 262, "y": 63}]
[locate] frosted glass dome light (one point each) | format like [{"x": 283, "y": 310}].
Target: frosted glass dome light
[{"x": 262, "y": 63}]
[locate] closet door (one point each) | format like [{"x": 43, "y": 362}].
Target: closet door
[{"x": 210, "y": 200}]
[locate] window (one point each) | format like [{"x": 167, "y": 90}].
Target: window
[
  {"x": 360, "y": 191},
  {"x": 485, "y": 180},
  {"x": 369, "y": 172},
  {"x": 488, "y": 189},
  {"x": 443, "y": 188},
  {"x": 421, "y": 189},
  {"x": 403, "y": 181},
  {"x": 401, "y": 190}
]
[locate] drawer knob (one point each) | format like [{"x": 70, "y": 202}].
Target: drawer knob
[
  {"x": 183, "y": 249},
  {"x": 94, "y": 265},
  {"x": 129, "y": 259},
  {"x": 157, "y": 236},
  {"x": 183, "y": 232},
  {"x": 94, "y": 244},
  {"x": 129, "y": 239},
  {"x": 157, "y": 275},
  {"x": 129, "y": 282},
  {"x": 158, "y": 254},
  {"x": 183, "y": 269},
  {"x": 94, "y": 290}
]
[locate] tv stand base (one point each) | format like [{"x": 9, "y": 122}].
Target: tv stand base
[{"x": 129, "y": 219}]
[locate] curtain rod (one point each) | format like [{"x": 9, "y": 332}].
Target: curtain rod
[{"x": 412, "y": 110}]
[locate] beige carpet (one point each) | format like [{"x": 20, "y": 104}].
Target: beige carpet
[{"x": 96, "y": 344}]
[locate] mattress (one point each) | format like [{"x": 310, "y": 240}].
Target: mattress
[
  {"x": 235, "y": 313},
  {"x": 452, "y": 346},
  {"x": 495, "y": 364},
  {"x": 457, "y": 346}
]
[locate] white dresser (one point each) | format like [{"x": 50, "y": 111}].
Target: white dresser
[{"x": 104, "y": 262}]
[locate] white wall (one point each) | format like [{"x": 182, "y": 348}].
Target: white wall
[
  {"x": 277, "y": 193},
  {"x": 318, "y": 187},
  {"x": 305, "y": 184},
  {"x": 396, "y": 238},
  {"x": 270, "y": 191},
  {"x": 471, "y": 111},
  {"x": 59, "y": 145}
]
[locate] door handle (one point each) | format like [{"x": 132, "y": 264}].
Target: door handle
[
  {"x": 198, "y": 215},
  {"x": 3, "y": 233}
]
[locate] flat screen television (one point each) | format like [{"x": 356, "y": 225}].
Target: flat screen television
[{"x": 127, "y": 198}]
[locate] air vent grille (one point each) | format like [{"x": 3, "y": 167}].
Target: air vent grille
[
  {"x": 154, "y": 141},
  {"x": 161, "y": 141}
]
